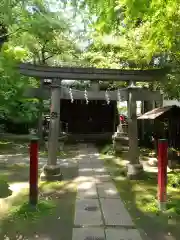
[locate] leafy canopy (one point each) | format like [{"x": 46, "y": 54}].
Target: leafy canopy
[{"x": 35, "y": 34}]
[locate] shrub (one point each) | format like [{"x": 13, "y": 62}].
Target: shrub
[{"x": 174, "y": 180}]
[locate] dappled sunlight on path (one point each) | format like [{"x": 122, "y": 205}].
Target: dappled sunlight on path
[{"x": 99, "y": 213}]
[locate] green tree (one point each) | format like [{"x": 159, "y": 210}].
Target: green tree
[
  {"x": 147, "y": 33},
  {"x": 36, "y": 35},
  {"x": 44, "y": 33},
  {"x": 13, "y": 85}
]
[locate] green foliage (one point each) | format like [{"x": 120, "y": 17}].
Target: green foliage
[
  {"x": 44, "y": 33},
  {"x": 121, "y": 34},
  {"x": 146, "y": 35},
  {"x": 12, "y": 86},
  {"x": 5, "y": 191},
  {"x": 35, "y": 34},
  {"x": 174, "y": 180},
  {"x": 174, "y": 207},
  {"x": 107, "y": 149}
]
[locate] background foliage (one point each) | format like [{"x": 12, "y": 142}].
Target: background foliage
[{"x": 103, "y": 33}]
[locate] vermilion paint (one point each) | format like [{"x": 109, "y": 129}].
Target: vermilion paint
[
  {"x": 33, "y": 176},
  {"x": 162, "y": 169}
]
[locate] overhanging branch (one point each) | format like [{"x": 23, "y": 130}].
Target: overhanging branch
[{"x": 49, "y": 57}]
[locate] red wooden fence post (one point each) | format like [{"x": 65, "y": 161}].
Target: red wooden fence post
[
  {"x": 162, "y": 172},
  {"x": 33, "y": 176}
]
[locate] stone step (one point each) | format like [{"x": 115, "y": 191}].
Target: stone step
[
  {"x": 125, "y": 148},
  {"x": 123, "y": 140},
  {"x": 121, "y": 149}
]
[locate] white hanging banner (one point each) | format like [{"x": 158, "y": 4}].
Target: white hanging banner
[
  {"x": 71, "y": 95},
  {"x": 107, "y": 97},
  {"x": 119, "y": 95},
  {"x": 86, "y": 96}
]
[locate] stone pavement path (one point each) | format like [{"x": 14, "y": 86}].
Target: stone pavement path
[{"x": 99, "y": 212}]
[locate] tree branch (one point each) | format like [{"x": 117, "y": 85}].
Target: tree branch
[
  {"x": 43, "y": 51},
  {"x": 12, "y": 33},
  {"x": 49, "y": 57}
]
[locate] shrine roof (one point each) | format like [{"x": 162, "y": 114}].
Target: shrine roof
[{"x": 157, "y": 112}]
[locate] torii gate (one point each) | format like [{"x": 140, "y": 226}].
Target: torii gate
[{"x": 131, "y": 94}]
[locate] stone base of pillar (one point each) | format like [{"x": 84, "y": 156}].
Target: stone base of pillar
[
  {"x": 134, "y": 171},
  {"x": 51, "y": 173}
]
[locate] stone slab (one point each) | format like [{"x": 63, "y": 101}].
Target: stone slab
[
  {"x": 96, "y": 165},
  {"x": 115, "y": 214},
  {"x": 84, "y": 179},
  {"x": 67, "y": 162},
  {"x": 87, "y": 218},
  {"x": 86, "y": 171},
  {"x": 94, "y": 154},
  {"x": 96, "y": 159},
  {"x": 101, "y": 170},
  {"x": 87, "y": 190},
  {"x": 85, "y": 166},
  {"x": 102, "y": 178},
  {"x": 84, "y": 161},
  {"x": 107, "y": 190},
  {"x": 68, "y": 165},
  {"x": 122, "y": 234},
  {"x": 88, "y": 234}
]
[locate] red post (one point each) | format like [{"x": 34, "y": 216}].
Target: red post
[
  {"x": 162, "y": 172},
  {"x": 33, "y": 178}
]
